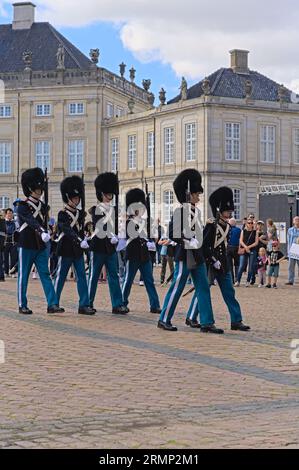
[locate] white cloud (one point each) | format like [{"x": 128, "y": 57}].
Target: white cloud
[{"x": 194, "y": 36}]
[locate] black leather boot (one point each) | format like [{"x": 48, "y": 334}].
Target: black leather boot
[
  {"x": 55, "y": 309},
  {"x": 86, "y": 311},
  {"x": 120, "y": 310},
  {"x": 192, "y": 323},
  {"x": 211, "y": 329},
  {"x": 25, "y": 311},
  {"x": 166, "y": 326},
  {"x": 239, "y": 326}
]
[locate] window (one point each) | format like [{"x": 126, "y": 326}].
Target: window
[
  {"x": 150, "y": 149},
  {"x": 232, "y": 141},
  {"x": 76, "y": 156},
  {"x": 4, "y": 202},
  {"x": 42, "y": 154},
  {"x": 237, "y": 203},
  {"x": 168, "y": 206},
  {"x": 296, "y": 145},
  {"x": 5, "y": 111},
  {"x": 168, "y": 145},
  {"x": 110, "y": 110},
  {"x": 43, "y": 110},
  {"x": 132, "y": 152},
  {"x": 190, "y": 136},
  {"x": 114, "y": 154},
  {"x": 76, "y": 108},
  {"x": 5, "y": 157},
  {"x": 119, "y": 111},
  {"x": 152, "y": 202},
  {"x": 267, "y": 144}
]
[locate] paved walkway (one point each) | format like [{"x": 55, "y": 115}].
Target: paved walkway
[{"x": 110, "y": 382}]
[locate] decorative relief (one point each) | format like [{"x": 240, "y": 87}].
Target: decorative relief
[
  {"x": 76, "y": 126},
  {"x": 43, "y": 128}
]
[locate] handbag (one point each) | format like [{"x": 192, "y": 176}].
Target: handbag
[{"x": 241, "y": 250}]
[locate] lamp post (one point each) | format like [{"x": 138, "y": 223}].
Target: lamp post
[{"x": 291, "y": 200}]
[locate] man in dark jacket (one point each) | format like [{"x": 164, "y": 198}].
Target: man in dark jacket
[
  {"x": 185, "y": 230},
  {"x": 2, "y": 243},
  {"x": 215, "y": 251},
  {"x": 104, "y": 241},
  {"x": 138, "y": 249},
  {"x": 32, "y": 239},
  {"x": 10, "y": 249},
  {"x": 71, "y": 242}
]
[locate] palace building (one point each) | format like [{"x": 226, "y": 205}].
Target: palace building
[{"x": 64, "y": 112}]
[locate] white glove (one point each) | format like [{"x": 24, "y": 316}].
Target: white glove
[
  {"x": 114, "y": 240},
  {"x": 46, "y": 237},
  {"x": 151, "y": 246},
  {"x": 121, "y": 244},
  {"x": 217, "y": 265},
  {"x": 192, "y": 244},
  {"x": 84, "y": 245}
]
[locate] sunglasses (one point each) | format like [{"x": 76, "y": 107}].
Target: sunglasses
[{"x": 249, "y": 223}]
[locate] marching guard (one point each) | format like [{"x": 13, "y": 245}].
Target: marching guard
[
  {"x": 32, "y": 240},
  {"x": 186, "y": 230},
  {"x": 215, "y": 247},
  {"x": 71, "y": 242},
  {"x": 104, "y": 241},
  {"x": 138, "y": 249}
]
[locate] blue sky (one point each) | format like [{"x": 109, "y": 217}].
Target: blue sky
[{"x": 106, "y": 37}]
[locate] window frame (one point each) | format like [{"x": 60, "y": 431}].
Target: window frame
[
  {"x": 132, "y": 153},
  {"x": 232, "y": 140},
  {"x": 169, "y": 145},
  {"x": 192, "y": 140},
  {"x": 168, "y": 207},
  {"x": 6, "y": 206},
  {"x": 76, "y": 155},
  {"x": 42, "y": 155},
  {"x": 9, "y": 143},
  {"x": 237, "y": 204},
  {"x": 295, "y": 146},
  {"x": 5, "y": 107},
  {"x": 150, "y": 149},
  {"x": 43, "y": 106},
  {"x": 267, "y": 142},
  {"x": 111, "y": 105},
  {"x": 76, "y": 104},
  {"x": 114, "y": 154}
]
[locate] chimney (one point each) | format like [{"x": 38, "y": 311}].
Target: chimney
[
  {"x": 239, "y": 61},
  {"x": 23, "y": 15}
]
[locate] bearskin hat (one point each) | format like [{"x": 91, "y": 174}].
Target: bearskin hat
[
  {"x": 222, "y": 200},
  {"x": 106, "y": 183},
  {"x": 32, "y": 180},
  {"x": 180, "y": 184},
  {"x": 71, "y": 187},
  {"x": 135, "y": 196}
]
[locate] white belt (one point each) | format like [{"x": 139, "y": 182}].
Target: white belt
[{"x": 35, "y": 214}]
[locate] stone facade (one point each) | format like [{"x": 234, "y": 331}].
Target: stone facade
[
  {"x": 216, "y": 126},
  {"x": 210, "y": 115}
]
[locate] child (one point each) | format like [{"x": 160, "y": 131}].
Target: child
[
  {"x": 274, "y": 258},
  {"x": 262, "y": 262}
]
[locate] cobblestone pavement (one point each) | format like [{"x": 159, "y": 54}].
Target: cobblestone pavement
[{"x": 110, "y": 382}]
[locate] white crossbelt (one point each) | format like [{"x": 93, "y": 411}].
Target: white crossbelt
[
  {"x": 107, "y": 211},
  {"x": 74, "y": 222},
  {"x": 223, "y": 236},
  {"x": 37, "y": 212}
]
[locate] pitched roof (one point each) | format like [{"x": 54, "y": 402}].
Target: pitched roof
[
  {"x": 43, "y": 41},
  {"x": 226, "y": 83}
]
